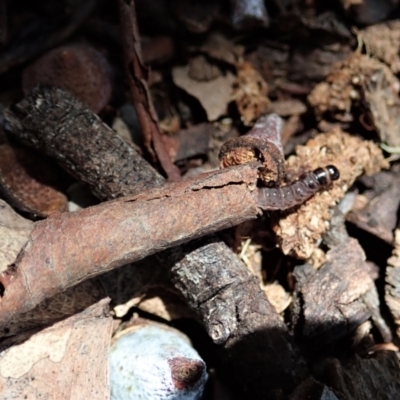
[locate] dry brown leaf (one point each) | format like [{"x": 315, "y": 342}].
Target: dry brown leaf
[
  {"x": 222, "y": 49},
  {"x": 68, "y": 360},
  {"x": 299, "y": 231},
  {"x": 214, "y": 95},
  {"x": 277, "y": 296}
]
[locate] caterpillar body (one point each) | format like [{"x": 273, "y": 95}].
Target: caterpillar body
[{"x": 297, "y": 192}]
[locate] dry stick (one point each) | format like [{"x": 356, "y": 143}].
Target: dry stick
[
  {"x": 68, "y": 248},
  {"x": 262, "y": 143},
  {"x": 136, "y": 74},
  {"x": 56, "y": 123},
  {"x": 255, "y": 351},
  {"x": 39, "y": 125}
]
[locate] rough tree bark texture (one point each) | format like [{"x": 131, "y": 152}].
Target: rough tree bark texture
[
  {"x": 255, "y": 348},
  {"x": 54, "y": 122}
]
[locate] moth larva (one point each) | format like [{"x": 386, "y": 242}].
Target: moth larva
[{"x": 297, "y": 192}]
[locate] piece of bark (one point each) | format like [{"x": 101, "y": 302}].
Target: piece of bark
[
  {"x": 68, "y": 360},
  {"x": 262, "y": 143},
  {"x": 392, "y": 282},
  {"x": 136, "y": 74},
  {"x": 369, "y": 378},
  {"x": 76, "y": 68},
  {"x": 311, "y": 389},
  {"x": 237, "y": 316},
  {"x": 377, "y": 213},
  {"x": 54, "y": 122},
  {"x": 30, "y": 182},
  {"x": 68, "y": 248},
  {"x": 333, "y": 306}
]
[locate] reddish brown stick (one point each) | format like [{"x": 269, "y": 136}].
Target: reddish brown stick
[
  {"x": 68, "y": 248},
  {"x": 262, "y": 143},
  {"x": 136, "y": 74}
]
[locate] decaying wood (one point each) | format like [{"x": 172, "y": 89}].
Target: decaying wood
[
  {"x": 331, "y": 296},
  {"x": 262, "y": 143},
  {"x": 136, "y": 74},
  {"x": 364, "y": 378},
  {"x": 392, "y": 280},
  {"x": 257, "y": 353},
  {"x": 313, "y": 390},
  {"x": 375, "y": 210},
  {"x": 56, "y": 123},
  {"x": 68, "y": 248}
]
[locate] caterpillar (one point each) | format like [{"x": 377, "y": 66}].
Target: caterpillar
[{"x": 297, "y": 192}]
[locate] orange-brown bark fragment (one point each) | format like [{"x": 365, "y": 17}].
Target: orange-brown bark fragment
[
  {"x": 246, "y": 149},
  {"x": 79, "y": 69},
  {"x": 30, "y": 183}
]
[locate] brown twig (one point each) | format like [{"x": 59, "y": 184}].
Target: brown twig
[
  {"x": 262, "y": 143},
  {"x": 255, "y": 351},
  {"x": 55, "y": 122},
  {"x": 68, "y": 248},
  {"x": 136, "y": 75}
]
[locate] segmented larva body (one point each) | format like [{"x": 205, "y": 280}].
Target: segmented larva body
[{"x": 297, "y": 192}]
